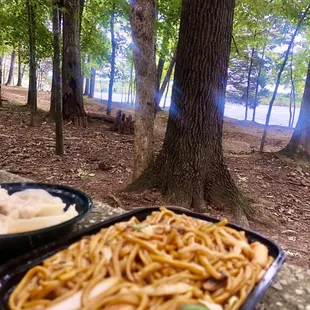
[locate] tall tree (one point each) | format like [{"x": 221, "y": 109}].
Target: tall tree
[
  {"x": 258, "y": 80},
  {"x": 56, "y": 91},
  {"x": 72, "y": 86},
  {"x": 86, "y": 90},
  {"x": 11, "y": 71},
  {"x": 190, "y": 168},
  {"x": 142, "y": 20},
  {"x": 32, "y": 89},
  {"x": 113, "y": 55},
  {"x": 92, "y": 83},
  {"x": 249, "y": 84},
  {"x": 166, "y": 80},
  {"x": 301, "y": 134},
  {"x": 20, "y": 69},
  {"x": 287, "y": 53}
]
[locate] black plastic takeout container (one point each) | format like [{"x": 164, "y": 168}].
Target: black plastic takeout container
[
  {"x": 11, "y": 273},
  {"x": 13, "y": 245}
]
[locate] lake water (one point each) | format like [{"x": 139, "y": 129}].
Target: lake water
[{"x": 279, "y": 115}]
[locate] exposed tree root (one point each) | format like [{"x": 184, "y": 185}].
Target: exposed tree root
[{"x": 196, "y": 196}]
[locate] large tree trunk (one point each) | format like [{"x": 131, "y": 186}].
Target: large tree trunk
[
  {"x": 32, "y": 89},
  {"x": 11, "y": 71},
  {"x": 113, "y": 55},
  {"x": 20, "y": 69},
  {"x": 301, "y": 20},
  {"x": 72, "y": 89},
  {"x": 190, "y": 168},
  {"x": 301, "y": 134},
  {"x": 86, "y": 90},
  {"x": 92, "y": 83},
  {"x": 142, "y": 20},
  {"x": 249, "y": 85},
  {"x": 56, "y": 95}
]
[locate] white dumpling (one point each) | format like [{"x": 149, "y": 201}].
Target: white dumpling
[{"x": 37, "y": 194}]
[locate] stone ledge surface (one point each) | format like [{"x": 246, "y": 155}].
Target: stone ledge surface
[{"x": 289, "y": 291}]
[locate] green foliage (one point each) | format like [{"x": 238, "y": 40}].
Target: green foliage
[{"x": 260, "y": 23}]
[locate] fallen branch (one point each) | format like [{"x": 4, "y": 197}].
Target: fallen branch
[
  {"x": 107, "y": 118},
  {"x": 297, "y": 184},
  {"x": 115, "y": 199},
  {"x": 18, "y": 171}
]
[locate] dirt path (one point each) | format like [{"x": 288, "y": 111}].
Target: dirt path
[{"x": 99, "y": 162}]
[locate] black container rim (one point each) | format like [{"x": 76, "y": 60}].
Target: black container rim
[
  {"x": 64, "y": 188},
  {"x": 48, "y": 250}
]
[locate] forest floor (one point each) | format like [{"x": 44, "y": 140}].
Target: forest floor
[{"x": 100, "y": 162}]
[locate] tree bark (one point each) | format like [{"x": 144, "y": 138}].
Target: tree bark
[
  {"x": 72, "y": 90},
  {"x": 11, "y": 71},
  {"x": 190, "y": 168},
  {"x": 113, "y": 55},
  {"x": 301, "y": 20},
  {"x": 20, "y": 69},
  {"x": 249, "y": 85},
  {"x": 301, "y": 134},
  {"x": 86, "y": 91},
  {"x": 56, "y": 91},
  {"x": 92, "y": 83},
  {"x": 142, "y": 20},
  {"x": 32, "y": 89}
]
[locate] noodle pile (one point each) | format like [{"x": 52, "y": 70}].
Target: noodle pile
[{"x": 166, "y": 262}]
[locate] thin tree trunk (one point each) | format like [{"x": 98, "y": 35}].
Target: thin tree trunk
[
  {"x": 20, "y": 70},
  {"x": 290, "y": 124},
  {"x": 294, "y": 106},
  {"x": 113, "y": 55},
  {"x": 56, "y": 95},
  {"x": 257, "y": 83},
  {"x": 142, "y": 20},
  {"x": 32, "y": 90},
  {"x": 279, "y": 77},
  {"x": 54, "y": 90},
  {"x": 166, "y": 95},
  {"x": 1, "y": 61},
  {"x": 72, "y": 89},
  {"x": 11, "y": 71},
  {"x": 86, "y": 91},
  {"x": 301, "y": 134},
  {"x": 92, "y": 83},
  {"x": 190, "y": 168},
  {"x": 165, "y": 81},
  {"x": 130, "y": 83},
  {"x": 4, "y": 69},
  {"x": 249, "y": 85},
  {"x": 160, "y": 68},
  {"x": 133, "y": 91}
]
